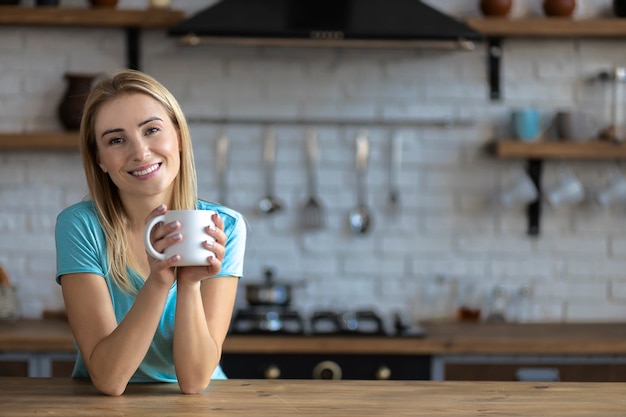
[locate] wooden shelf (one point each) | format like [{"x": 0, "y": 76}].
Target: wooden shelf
[
  {"x": 549, "y": 27},
  {"x": 89, "y": 17},
  {"x": 41, "y": 141},
  {"x": 510, "y": 148}
]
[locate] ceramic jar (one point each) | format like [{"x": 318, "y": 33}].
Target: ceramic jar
[
  {"x": 70, "y": 108},
  {"x": 559, "y": 8},
  {"x": 495, "y": 7}
]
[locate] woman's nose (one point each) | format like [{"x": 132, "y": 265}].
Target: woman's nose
[{"x": 139, "y": 150}]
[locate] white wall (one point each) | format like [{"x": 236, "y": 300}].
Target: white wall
[{"x": 446, "y": 227}]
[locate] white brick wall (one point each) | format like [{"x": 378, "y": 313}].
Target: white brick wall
[{"x": 447, "y": 225}]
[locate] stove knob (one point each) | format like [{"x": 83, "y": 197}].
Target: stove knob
[
  {"x": 272, "y": 372},
  {"x": 383, "y": 372},
  {"x": 327, "y": 370}
]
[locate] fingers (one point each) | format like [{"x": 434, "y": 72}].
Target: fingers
[
  {"x": 164, "y": 235},
  {"x": 219, "y": 238}
]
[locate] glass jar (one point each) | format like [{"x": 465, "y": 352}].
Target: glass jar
[{"x": 614, "y": 85}]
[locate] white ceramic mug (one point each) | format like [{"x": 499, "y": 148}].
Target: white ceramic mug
[
  {"x": 615, "y": 191},
  {"x": 567, "y": 190},
  {"x": 519, "y": 189},
  {"x": 193, "y": 229}
]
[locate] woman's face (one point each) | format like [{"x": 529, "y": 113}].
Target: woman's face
[{"x": 138, "y": 146}]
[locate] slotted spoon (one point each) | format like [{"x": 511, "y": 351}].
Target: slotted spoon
[{"x": 312, "y": 211}]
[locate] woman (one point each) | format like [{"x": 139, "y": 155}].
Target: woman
[{"x": 121, "y": 303}]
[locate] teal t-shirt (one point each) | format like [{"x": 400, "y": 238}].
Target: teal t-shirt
[{"x": 81, "y": 248}]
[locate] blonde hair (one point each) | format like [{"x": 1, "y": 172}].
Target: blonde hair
[{"x": 114, "y": 219}]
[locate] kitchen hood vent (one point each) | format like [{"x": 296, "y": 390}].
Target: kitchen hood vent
[{"x": 326, "y": 23}]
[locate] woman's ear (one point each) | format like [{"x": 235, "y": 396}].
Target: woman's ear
[{"x": 101, "y": 165}]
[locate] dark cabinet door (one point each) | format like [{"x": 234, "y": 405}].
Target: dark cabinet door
[
  {"x": 17, "y": 367},
  {"x": 570, "y": 372}
]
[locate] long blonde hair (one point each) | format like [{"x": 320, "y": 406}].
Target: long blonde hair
[{"x": 105, "y": 195}]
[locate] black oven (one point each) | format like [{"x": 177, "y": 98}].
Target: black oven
[
  {"x": 326, "y": 366},
  {"x": 284, "y": 321}
]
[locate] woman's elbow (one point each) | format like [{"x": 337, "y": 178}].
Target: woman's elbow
[
  {"x": 111, "y": 388},
  {"x": 192, "y": 388}
]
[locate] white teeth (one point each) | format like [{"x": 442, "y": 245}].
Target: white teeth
[{"x": 145, "y": 171}]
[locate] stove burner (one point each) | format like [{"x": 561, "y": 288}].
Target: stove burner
[
  {"x": 363, "y": 322},
  {"x": 283, "y": 320},
  {"x": 259, "y": 320}
]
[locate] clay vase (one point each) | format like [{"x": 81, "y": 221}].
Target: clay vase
[
  {"x": 70, "y": 108},
  {"x": 103, "y": 3},
  {"x": 559, "y": 8},
  {"x": 495, "y": 7}
]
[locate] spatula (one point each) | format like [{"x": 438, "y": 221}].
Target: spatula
[{"x": 312, "y": 212}]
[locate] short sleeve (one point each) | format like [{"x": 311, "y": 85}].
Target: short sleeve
[
  {"x": 235, "y": 228},
  {"x": 79, "y": 242}
]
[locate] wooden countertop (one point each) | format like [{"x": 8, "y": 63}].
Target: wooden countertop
[
  {"x": 442, "y": 338},
  {"x": 22, "y": 397}
]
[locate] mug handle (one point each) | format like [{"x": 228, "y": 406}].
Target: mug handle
[{"x": 146, "y": 238}]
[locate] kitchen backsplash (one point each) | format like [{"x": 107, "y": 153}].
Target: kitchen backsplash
[{"x": 446, "y": 231}]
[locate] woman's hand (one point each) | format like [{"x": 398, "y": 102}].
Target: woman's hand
[
  {"x": 199, "y": 273},
  {"x": 163, "y": 236}
]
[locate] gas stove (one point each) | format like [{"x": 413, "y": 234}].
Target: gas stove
[{"x": 275, "y": 320}]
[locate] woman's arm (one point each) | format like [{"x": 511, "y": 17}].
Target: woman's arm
[
  {"x": 203, "y": 313},
  {"x": 204, "y": 307},
  {"x": 112, "y": 352}
]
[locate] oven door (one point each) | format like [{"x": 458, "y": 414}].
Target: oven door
[{"x": 326, "y": 366}]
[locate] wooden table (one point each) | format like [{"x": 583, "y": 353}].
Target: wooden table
[{"x": 66, "y": 397}]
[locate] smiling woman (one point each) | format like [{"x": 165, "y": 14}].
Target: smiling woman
[{"x": 122, "y": 303}]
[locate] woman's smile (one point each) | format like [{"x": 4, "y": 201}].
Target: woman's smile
[{"x": 145, "y": 172}]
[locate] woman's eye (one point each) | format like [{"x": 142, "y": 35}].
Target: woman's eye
[
  {"x": 152, "y": 130},
  {"x": 114, "y": 141}
]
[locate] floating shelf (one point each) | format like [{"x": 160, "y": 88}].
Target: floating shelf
[
  {"x": 549, "y": 27},
  {"x": 89, "y": 17},
  {"x": 41, "y": 141},
  {"x": 510, "y": 148}
]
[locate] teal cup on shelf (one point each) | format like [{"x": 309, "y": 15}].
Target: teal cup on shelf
[{"x": 526, "y": 124}]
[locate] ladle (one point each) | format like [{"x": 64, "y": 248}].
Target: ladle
[
  {"x": 269, "y": 204},
  {"x": 360, "y": 218}
]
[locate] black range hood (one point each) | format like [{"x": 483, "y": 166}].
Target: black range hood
[{"x": 330, "y": 23}]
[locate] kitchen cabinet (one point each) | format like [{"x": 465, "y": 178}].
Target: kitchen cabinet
[
  {"x": 37, "y": 364},
  {"x": 132, "y": 21},
  {"x": 530, "y": 368}
]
